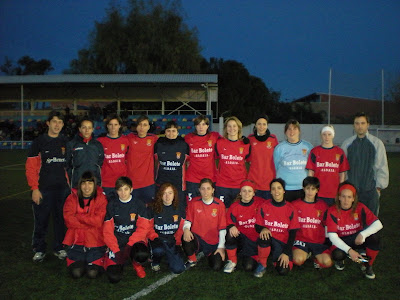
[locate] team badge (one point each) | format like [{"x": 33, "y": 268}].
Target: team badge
[
  {"x": 304, "y": 151},
  {"x": 122, "y": 147},
  {"x": 337, "y": 157},
  {"x": 241, "y": 150},
  {"x": 148, "y": 142},
  {"x": 63, "y": 150},
  {"x": 178, "y": 155},
  {"x": 214, "y": 212},
  {"x": 318, "y": 213},
  {"x": 133, "y": 216},
  {"x": 209, "y": 142},
  {"x": 355, "y": 215},
  {"x": 175, "y": 218},
  {"x": 269, "y": 145}
]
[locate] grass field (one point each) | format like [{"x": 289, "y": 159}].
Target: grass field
[{"x": 20, "y": 278}]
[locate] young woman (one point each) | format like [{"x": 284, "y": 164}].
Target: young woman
[
  {"x": 167, "y": 229},
  {"x": 310, "y": 238},
  {"x": 205, "y": 227},
  {"x": 262, "y": 168},
  {"x": 201, "y": 157},
  {"x": 232, "y": 152},
  {"x": 84, "y": 212},
  {"x": 140, "y": 161},
  {"x": 115, "y": 147},
  {"x": 170, "y": 154},
  {"x": 277, "y": 223},
  {"x": 351, "y": 225},
  {"x": 126, "y": 226},
  {"x": 84, "y": 153},
  {"x": 329, "y": 164},
  {"x": 290, "y": 158},
  {"x": 241, "y": 218}
]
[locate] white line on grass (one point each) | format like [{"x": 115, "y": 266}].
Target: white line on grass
[
  {"x": 14, "y": 194},
  {"x": 5, "y": 167},
  {"x": 152, "y": 287}
]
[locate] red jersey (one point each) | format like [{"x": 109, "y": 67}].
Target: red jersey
[
  {"x": 278, "y": 219},
  {"x": 312, "y": 218},
  {"x": 347, "y": 222},
  {"x": 140, "y": 159},
  {"x": 201, "y": 156},
  {"x": 207, "y": 220},
  {"x": 327, "y": 163},
  {"x": 232, "y": 162},
  {"x": 243, "y": 216},
  {"x": 262, "y": 167},
  {"x": 114, "y": 164}
]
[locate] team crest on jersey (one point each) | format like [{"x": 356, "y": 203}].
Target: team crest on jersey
[
  {"x": 122, "y": 147},
  {"x": 355, "y": 215},
  {"x": 148, "y": 142},
  {"x": 209, "y": 142},
  {"x": 133, "y": 216},
  {"x": 214, "y": 212},
  {"x": 63, "y": 150},
  {"x": 241, "y": 150},
  {"x": 318, "y": 213},
  {"x": 304, "y": 151},
  {"x": 178, "y": 155},
  {"x": 175, "y": 217},
  {"x": 269, "y": 145},
  {"x": 337, "y": 157}
]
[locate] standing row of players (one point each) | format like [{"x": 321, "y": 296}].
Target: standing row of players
[{"x": 116, "y": 155}]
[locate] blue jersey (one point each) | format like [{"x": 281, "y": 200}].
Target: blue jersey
[{"x": 290, "y": 162}]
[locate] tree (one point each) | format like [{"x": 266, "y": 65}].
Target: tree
[
  {"x": 26, "y": 66},
  {"x": 240, "y": 93},
  {"x": 148, "y": 37}
]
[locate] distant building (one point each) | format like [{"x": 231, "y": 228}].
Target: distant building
[{"x": 343, "y": 108}]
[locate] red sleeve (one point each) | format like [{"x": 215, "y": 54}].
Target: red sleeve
[
  {"x": 152, "y": 234},
  {"x": 96, "y": 214},
  {"x": 109, "y": 238},
  {"x": 310, "y": 164},
  {"x": 143, "y": 226},
  {"x": 70, "y": 215},
  {"x": 229, "y": 215},
  {"x": 179, "y": 233},
  {"x": 32, "y": 167}
]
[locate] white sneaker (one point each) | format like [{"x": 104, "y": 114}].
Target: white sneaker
[
  {"x": 156, "y": 268},
  {"x": 38, "y": 257},
  {"x": 61, "y": 254},
  {"x": 229, "y": 267}
]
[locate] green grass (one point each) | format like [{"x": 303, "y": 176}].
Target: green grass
[{"x": 20, "y": 278}]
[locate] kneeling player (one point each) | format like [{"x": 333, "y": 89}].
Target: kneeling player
[
  {"x": 205, "y": 227},
  {"x": 310, "y": 238},
  {"x": 277, "y": 224},
  {"x": 84, "y": 212},
  {"x": 125, "y": 229},
  {"x": 241, "y": 218},
  {"x": 167, "y": 229}
]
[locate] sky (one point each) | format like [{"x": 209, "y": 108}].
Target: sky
[{"x": 290, "y": 45}]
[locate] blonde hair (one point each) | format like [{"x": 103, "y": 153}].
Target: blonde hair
[{"x": 239, "y": 124}]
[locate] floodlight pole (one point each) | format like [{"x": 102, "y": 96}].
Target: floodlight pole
[
  {"x": 22, "y": 116},
  {"x": 329, "y": 96},
  {"x": 383, "y": 98}
]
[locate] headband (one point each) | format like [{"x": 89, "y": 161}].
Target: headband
[
  {"x": 348, "y": 187},
  {"x": 328, "y": 128},
  {"x": 248, "y": 183}
]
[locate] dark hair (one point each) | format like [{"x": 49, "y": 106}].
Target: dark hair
[
  {"x": 86, "y": 176},
  {"x": 121, "y": 181},
  {"x": 310, "y": 180},
  {"x": 258, "y": 118},
  {"x": 207, "y": 180},
  {"x": 56, "y": 114},
  {"x": 142, "y": 118},
  {"x": 114, "y": 117},
  {"x": 337, "y": 202},
  {"x": 157, "y": 205},
  {"x": 171, "y": 124},
  {"x": 85, "y": 119},
  {"x": 361, "y": 114},
  {"x": 280, "y": 180},
  {"x": 293, "y": 122}
]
